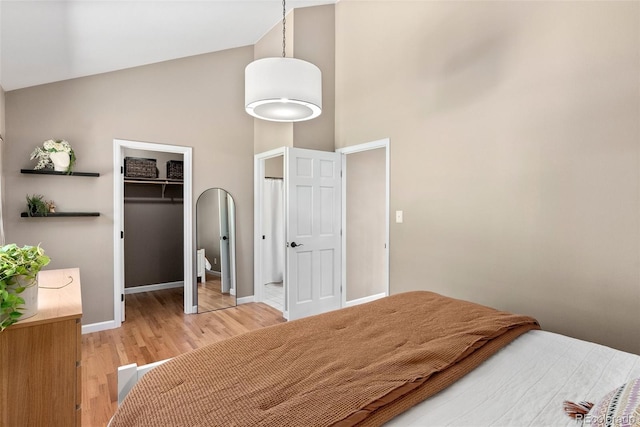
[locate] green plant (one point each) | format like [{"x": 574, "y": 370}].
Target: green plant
[
  {"x": 36, "y": 205},
  {"x": 15, "y": 262}
]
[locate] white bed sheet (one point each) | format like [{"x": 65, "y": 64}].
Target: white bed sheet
[{"x": 525, "y": 384}]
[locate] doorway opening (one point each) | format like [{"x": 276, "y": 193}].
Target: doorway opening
[
  {"x": 270, "y": 264},
  {"x": 273, "y": 236},
  {"x": 121, "y": 148},
  {"x": 365, "y": 222}
]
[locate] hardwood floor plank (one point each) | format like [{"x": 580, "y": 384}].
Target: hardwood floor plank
[
  {"x": 156, "y": 328},
  {"x": 210, "y": 296}
]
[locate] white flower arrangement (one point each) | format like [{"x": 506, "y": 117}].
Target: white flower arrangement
[{"x": 52, "y": 146}]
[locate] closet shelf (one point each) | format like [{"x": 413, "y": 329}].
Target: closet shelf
[
  {"x": 161, "y": 181},
  {"x": 59, "y": 214},
  {"x": 52, "y": 172}
]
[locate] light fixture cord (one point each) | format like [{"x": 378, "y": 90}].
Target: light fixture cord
[{"x": 284, "y": 27}]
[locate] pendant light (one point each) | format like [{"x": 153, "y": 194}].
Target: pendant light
[{"x": 283, "y": 89}]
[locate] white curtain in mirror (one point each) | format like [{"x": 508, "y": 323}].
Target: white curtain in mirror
[{"x": 273, "y": 231}]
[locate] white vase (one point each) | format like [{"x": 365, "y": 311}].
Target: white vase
[
  {"x": 60, "y": 161},
  {"x": 29, "y": 295}
]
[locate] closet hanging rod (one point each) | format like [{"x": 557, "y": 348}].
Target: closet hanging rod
[
  {"x": 273, "y": 177},
  {"x": 153, "y": 200},
  {"x": 154, "y": 181}
]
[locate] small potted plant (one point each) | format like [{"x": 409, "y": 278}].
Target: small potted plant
[
  {"x": 37, "y": 206},
  {"x": 55, "y": 154},
  {"x": 19, "y": 268}
]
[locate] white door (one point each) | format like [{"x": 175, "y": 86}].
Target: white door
[{"x": 313, "y": 209}]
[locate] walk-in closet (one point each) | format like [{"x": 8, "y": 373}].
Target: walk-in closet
[{"x": 153, "y": 221}]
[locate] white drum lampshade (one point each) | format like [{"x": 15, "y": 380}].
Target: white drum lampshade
[{"x": 283, "y": 89}]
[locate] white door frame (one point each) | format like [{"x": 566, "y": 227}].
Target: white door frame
[
  {"x": 373, "y": 145},
  {"x": 118, "y": 221},
  {"x": 258, "y": 206}
]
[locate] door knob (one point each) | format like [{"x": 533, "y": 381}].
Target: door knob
[
  {"x": 295, "y": 245},
  {"x": 224, "y": 237}
]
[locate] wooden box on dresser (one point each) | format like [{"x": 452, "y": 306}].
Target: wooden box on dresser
[{"x": 40, "y": 373}]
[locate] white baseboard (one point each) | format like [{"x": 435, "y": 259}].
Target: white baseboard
[
  {"x": 365, "y": 299},
  {"x": 97, "y": 327},
  {"x": 156, "y": 287},
  {"x": 244, "y": 300}
]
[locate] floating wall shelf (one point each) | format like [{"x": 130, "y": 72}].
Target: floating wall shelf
[
  {"x": 59, "y": 214},
  {"x": 52, "y": 172}
]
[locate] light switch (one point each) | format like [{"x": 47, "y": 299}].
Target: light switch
[{"x": 399, "y": 217}]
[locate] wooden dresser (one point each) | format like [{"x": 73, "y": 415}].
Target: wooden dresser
[{"x": 40, "y": 374}]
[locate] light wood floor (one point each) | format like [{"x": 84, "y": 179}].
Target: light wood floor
[
  {"x": 210, "y": 297},
  {"x": 156, "y": 328}
]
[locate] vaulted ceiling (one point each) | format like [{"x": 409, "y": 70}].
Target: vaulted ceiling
[{"x": 51, "y": 40}]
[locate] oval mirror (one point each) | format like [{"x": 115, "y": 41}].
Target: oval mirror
[{"x": 215, "y": 255}]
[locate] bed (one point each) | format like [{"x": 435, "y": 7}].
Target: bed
[{"x": 412, "y": 359}]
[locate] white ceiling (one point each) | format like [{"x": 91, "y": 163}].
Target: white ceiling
[{"x": 51, "y": 40}]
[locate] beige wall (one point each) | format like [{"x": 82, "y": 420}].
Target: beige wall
[
  {"x": 310, "y": 36},
  {"x": 274, "y": 167},
  {"x": 315, "y": 42},
  {"x": 365, "y": 232},
  {"x": 514, "y": 130},
  {"x": 196, "y": 102}
]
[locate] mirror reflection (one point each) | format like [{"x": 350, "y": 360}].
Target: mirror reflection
[{"x": 215, "y": 240}]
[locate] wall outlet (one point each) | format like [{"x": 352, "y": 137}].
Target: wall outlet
[
  {"x": 399, "y": 217},
  {"x": 215, "y": 261}
]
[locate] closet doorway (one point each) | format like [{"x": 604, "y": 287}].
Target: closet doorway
[{"x": 141, "y": 195}]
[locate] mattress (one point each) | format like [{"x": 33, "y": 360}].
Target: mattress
[{"x": 525, "y": 383}]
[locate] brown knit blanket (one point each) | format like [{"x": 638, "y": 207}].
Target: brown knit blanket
[{"x": 356, "y": 366}]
